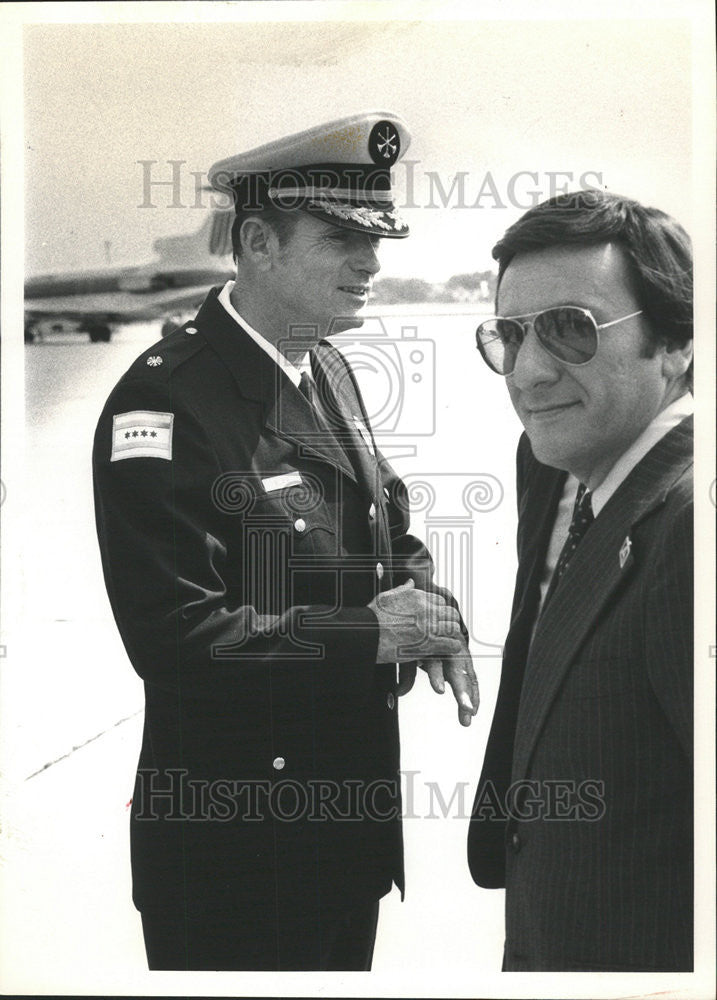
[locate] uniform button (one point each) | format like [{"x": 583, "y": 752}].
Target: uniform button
[
  {"x": 372, "y": 512},
  {"x": 300, "y": 524},
  {"x": 278, "y": 763},
  {"x": 515, "y": 842},
  {"x": 390, "y": 700},
  {"x": 379, "y": 570},
  {"x": 191, "y": 329}
]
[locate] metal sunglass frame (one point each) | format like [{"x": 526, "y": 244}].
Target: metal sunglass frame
[{"x": 528, "y": 319}]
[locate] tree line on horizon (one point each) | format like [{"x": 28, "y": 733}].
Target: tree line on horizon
[{"x": 476, "y": 286}]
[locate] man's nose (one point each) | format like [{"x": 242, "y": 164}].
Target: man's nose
[
  {"x": 533, "y": 364},
  {"x": 366, "y": 256}
]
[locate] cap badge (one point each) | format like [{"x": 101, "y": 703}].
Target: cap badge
[{"x": 384, "y": 145}]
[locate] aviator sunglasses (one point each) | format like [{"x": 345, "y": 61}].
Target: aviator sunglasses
[{"x": 570, "y": 334}]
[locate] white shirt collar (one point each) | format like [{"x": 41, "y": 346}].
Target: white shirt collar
[
  {"x": 292, "y": 371},
  {"x": 668, "y": 418}
]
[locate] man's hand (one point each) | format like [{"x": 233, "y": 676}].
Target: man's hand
[
  {"x": 414, "y": 624},
  {"x": 458, "y": 671}
]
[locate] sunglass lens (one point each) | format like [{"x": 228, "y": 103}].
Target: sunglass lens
[
  {"x": 499, "y": 341},
  {"x": 568, "y": 333}
]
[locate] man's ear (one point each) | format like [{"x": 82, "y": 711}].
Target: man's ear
[
  {"x": 676, "y": 360},
  {"x": 256, "y": 242}
]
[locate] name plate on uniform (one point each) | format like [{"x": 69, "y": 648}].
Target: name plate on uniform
[{"x": 281, "y": 482}]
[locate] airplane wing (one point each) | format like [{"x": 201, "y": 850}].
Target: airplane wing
[
  {"x": 120, "y": 306},
  {"x": 177, "y": 282}
]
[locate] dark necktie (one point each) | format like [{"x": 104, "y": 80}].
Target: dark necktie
[
  {"x": 314, "y": 387},
  {"x": 324, "y": 394},
  {"x": 330, "y": 375},
  {"x": 581, "y": 521},
  {"x": 306, "y": 387}
]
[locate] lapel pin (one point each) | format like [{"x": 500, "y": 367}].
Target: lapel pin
[{"x": 625, "y": 551}]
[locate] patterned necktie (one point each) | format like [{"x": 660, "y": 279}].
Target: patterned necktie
[{"x": 581, "y": 521}]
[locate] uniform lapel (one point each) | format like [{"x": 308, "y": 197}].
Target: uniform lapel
[
  {"x": 290, "y": 416},
  {"x": 359, "y": 444},
  {"x": 601, "y": 562},
  {"x": 287, "y": 413}
]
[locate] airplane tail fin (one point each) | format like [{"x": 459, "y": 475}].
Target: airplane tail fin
[
  {"x": 220, "y": 239},
  {"x": 213, "y": 239}
]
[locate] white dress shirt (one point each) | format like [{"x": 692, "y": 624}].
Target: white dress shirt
[{"x": 292, "y": 371}]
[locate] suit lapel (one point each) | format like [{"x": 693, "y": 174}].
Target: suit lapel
[
  {"x": 601, "y": 562},
  {"x": 536, "y": 522},
  {"x": 539, "y": 503},
  {"x": 287, "y": 413}
]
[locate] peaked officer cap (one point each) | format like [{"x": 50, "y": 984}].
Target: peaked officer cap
[{"x": 339, "y": 172}]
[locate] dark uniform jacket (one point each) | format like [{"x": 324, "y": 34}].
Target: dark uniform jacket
[
  {"x": 593, "y": 727},
  {"x": 241, "y": 544}
]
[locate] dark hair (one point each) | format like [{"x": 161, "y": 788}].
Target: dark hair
[
  {"x": 282, "y": 221},
  {"x": 658, "y": 250}
]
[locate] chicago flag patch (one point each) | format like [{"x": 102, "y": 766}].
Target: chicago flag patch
[{"x": 142, "y": 434}]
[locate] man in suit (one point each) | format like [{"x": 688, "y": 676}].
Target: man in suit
[
  {"x": 583, "y": 810},
  {"x": 257, "y": 557}
]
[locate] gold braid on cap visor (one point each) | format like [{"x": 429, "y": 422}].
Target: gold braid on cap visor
[{"x": 360, "y": 213}]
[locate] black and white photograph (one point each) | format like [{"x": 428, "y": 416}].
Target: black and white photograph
[{"x": 357, "y": 499}]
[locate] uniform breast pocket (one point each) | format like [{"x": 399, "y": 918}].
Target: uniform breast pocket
[
  {"x": 296, "y": 522},
  {"x": 289, "y": 546}
]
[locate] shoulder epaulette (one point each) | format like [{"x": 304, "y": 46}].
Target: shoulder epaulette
[{"x": 163, "y": 358}]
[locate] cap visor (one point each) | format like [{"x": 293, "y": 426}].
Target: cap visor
[{"x": 387, "y": 223}]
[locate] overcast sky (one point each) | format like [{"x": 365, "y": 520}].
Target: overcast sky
[{"x": 503, "y": 103}]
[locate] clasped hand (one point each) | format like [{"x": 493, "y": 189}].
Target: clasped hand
[{"x": 422, "y": 626}]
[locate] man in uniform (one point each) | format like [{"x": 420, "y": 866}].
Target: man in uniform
[
  {"x": 584, "y": 807},
  {"x": 258, "y": 564}
]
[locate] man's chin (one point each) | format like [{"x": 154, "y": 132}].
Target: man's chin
[
  {"x": 547, "y": 453},
  {"x": 342, "y": 323}
]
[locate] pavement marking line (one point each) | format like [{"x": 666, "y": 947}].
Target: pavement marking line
[{"x": 81, "y": 745}]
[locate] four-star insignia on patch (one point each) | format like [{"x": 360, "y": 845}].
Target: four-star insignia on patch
[
  {"x": 142, "y": 434},
  {"x": 155, "y": 361}
]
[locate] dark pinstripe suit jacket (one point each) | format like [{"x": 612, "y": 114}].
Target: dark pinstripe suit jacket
[{"x": 584, "y": 806}]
